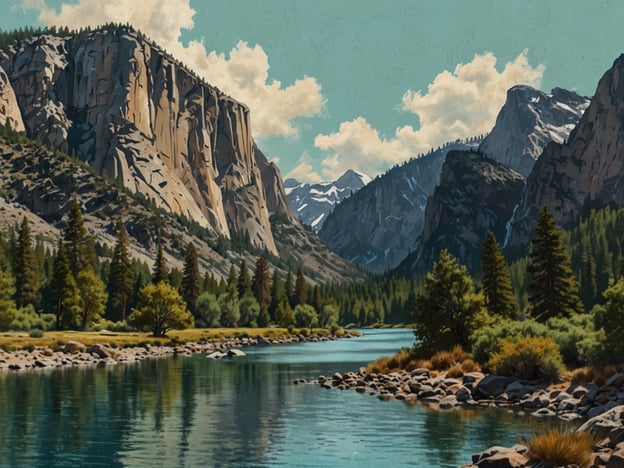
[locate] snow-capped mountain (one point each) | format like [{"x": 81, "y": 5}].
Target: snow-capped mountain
[
  {"x": 528, "y": 121},
  {"x": 312, "y": 203}
]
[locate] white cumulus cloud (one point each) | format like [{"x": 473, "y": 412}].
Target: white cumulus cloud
[
  {"x": 243, "y": 74},
  {"x": 458, "y": 104},
  {"x": 304, "y": 172}
]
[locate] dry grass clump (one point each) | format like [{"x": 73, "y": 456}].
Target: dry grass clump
[
  {"x": 456, "y": 359},
  {"x": 455, "y": 372},
  {"x": 597, "y": 375},
  {"x": 557, "y": 448},
  {"x": 443, "y": 360}
]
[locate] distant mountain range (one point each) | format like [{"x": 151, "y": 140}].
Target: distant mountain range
[
  {"x": 312, "y": 203},
  {"x": 410, "y": 208},
  {"x": 379, "y": 225}
]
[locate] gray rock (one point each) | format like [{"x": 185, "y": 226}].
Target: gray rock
[
  {"x": 609, "y": 423},
  {"x": 216, "y": 355},
  {"x": 543, "y": 412},
  {"x": 235, "y": 353},
  {"x": 491, "y": 386},
  {"x": 74, "y": 347}
]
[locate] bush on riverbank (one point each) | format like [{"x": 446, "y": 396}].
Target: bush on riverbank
[
  {"x": 557, "y": 448},
  {"x": 527, "y": 358}
]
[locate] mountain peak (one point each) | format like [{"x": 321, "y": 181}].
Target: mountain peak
[
  {"x": 528, "y": 121},
  {"x": 352, "y": 179}
]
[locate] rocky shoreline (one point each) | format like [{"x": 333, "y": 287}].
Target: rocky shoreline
[
  {"x": 601, "y": 405},
  {"x": 74, "y": 353}
]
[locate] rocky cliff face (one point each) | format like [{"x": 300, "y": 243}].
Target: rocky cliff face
[
  {"x": 137, "y": 115},
  {"x": 379, "y": 225},
  {"x": 529, "y": 120},
  {"x": 589, "y": 164},
  {"x": 9, "y": 110},
  {"x": 475, "y": 195},
  {"x": 312, "y": 203}
]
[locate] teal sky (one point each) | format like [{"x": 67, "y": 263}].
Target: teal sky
[{"x": 365, "y": 55}]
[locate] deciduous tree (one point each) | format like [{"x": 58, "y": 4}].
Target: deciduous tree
[{"x": 161, "y": 308}]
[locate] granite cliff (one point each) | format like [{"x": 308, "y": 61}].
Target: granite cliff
[
  {"x": 529, "y": 120},
  {"x": 135, "y": 114},
  {"x": 379, "y": 225},
  {"x": 475, "y": 195},
  {"x": 588, "y": 166}
]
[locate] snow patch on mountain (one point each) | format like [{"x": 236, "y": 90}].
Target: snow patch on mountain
[{"x": 312, "y": 203}]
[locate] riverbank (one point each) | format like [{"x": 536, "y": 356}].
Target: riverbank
[
  {"x": 607, "y": 432},
  {"x": 602, "y": 405},
  {"x": 565, "y": 400},
  {"x": 104, "y": 348}
]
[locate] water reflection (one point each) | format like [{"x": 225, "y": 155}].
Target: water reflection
[{"x": 198, "y": 412}]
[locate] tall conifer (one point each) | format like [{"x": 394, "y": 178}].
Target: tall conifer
[
  {"x": 554, "y": 291},
  {"x": 301, "y": 288},
  {"x": 261, "y": 285},
  {"x": 497, "y": 288},
  {"x": 25, "y": 268},
  {"x": 120, "y": 280},
  {"x": 160, "y": 272},
  {"x": 190, "y": 278},
  {"x": 75, "y": 237}
]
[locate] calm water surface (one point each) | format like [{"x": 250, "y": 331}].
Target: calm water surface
[{"x": 193, "y": 411}]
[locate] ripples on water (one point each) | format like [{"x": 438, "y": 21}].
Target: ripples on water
[{"x": 192, "y": 411}]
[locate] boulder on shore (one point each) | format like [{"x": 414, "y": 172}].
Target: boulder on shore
[{"x": 74, "y": 347}]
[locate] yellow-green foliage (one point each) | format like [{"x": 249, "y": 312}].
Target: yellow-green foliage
[
  {"x": 527, "y": 358},
  {"x": 455, "y": 361},
  {"x": 557, "y": 448}
]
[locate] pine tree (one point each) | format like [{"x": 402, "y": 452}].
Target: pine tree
[
  {"x": 25, "y": 268},
  {"x": 447, "y": 310},
  {"x": 120, "y": 280},
  {"x": 301, "y": 288},
  {"x": 75, "y": 236},
  {"x": 290, "y": 287},
  {"x": 554, "y": 292},
  {"x": 58, "y": 282},
  {"x": 244, "y": 281},
  {"x": 160, "y": 272},
  {"x": 278, "y": 292},
  {"x": 497, "y": 288},
  {"x": 190, "y": 278},
  {"x": 260, "y": 284}
]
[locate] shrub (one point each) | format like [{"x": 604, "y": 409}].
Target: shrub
[
  {"x": 557, "y": 448},
  {"x": 36, "y": 333},
  {"x": 527, "y": 358},
  {"x": 470, "y": 366},
  {"x": 455, "y": 372},
  {"x": 578, "y": 340}
]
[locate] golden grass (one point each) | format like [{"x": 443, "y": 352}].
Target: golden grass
[
  {"x": 562, "y": 448},
  {"x": 597, "y": 375},
  {"x": 456, "y": 359},
  {"x": 56, "y": 339}
]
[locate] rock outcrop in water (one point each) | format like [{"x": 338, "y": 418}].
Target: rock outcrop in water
[{"x": 137, "y": 115}]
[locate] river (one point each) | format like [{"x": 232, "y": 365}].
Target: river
[{"x": 193, "y": 411}]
